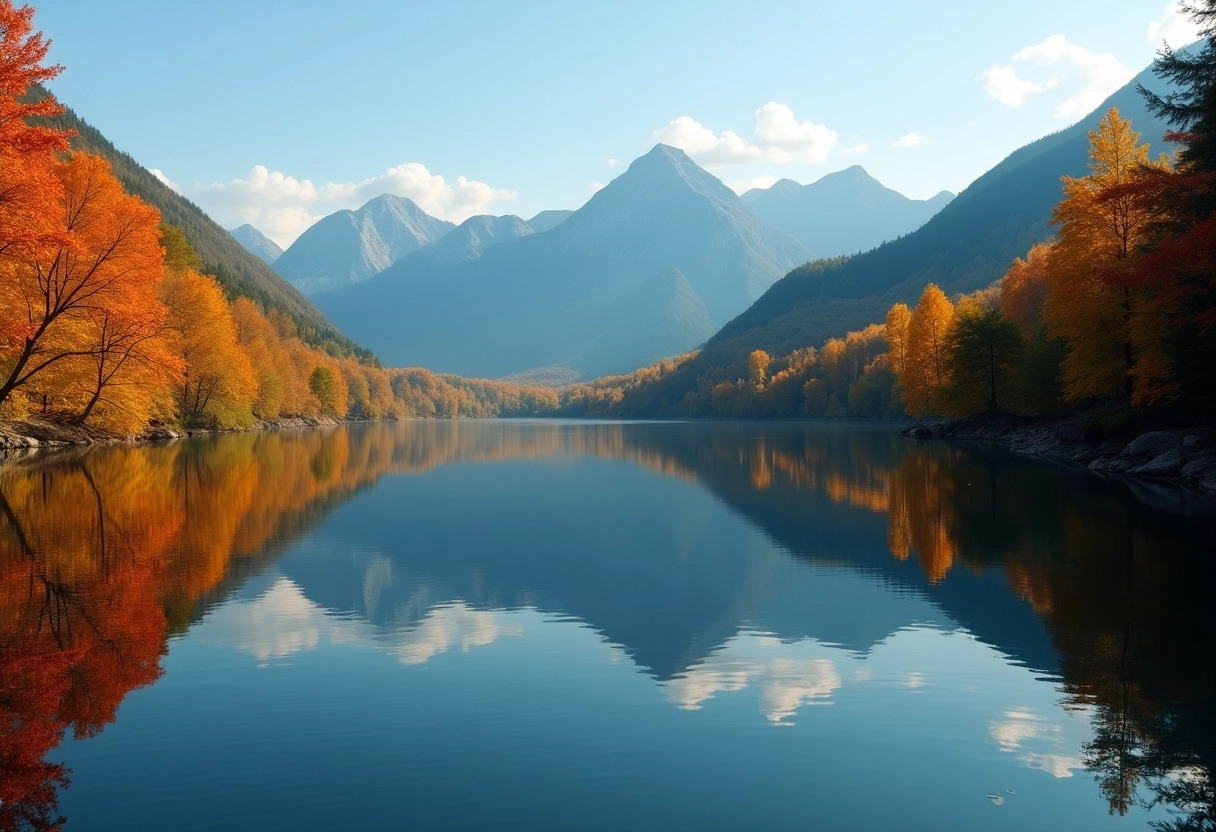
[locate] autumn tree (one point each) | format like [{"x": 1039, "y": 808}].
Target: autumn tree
[
  {"x": 896, "y": 335},
  {"x": 91, "y": 297},
  {"x": 1101, "y": 228},
  {"x": 757, "y": 368},
  {"x": 926, "y": 370},
  {"x": 1024, "y": 289},
  {"x": 127, "y": 376},
  {"x": 217, "y": 383},
  {"x": 1176, "y": 276},
  {"x": 29, "y": 188},
  {"x": 323, "y": 383}
]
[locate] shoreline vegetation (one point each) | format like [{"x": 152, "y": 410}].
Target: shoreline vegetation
[
  {"x": 113, "y": 325},
  {"x": 1149, "y": 460}
]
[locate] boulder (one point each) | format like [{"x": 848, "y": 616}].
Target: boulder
[
  {"x": 1163, "y": 465},
  {"x": 1152, "y": 444}
]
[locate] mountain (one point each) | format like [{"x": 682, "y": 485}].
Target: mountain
[
  {"x": 241, "y": 273},
  {"x": 842, "y": 213},
  {"x": 470, "y": 239},
  {"x": 647, "y": 268},
  {"x": 255, "y": 242},
  {"x": 349, "y": 246},
  {"x": 969, "y": 244},
  {"x": 548, "y": 219}
]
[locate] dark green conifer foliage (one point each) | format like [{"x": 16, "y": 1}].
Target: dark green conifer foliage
[{"x": 986, "y": 351}]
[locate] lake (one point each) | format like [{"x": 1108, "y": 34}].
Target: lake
[{"x": 531, "y": 625}]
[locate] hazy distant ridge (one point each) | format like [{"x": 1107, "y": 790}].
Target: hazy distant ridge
[
  {"x": 842, "y": 213},
  {"x": 255, "y": 242},
  {"x": 349, "y": 246},
  {"x": 650, "y": 266}
]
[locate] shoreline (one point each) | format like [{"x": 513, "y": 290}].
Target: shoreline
[
  {"x": 1184, "y": 459},
  {"x": 29, "y": 436}
]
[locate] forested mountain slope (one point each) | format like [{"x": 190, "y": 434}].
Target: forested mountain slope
[{"x": 241, "y": 273}]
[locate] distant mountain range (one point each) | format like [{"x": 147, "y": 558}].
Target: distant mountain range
[
  {"x": 469, "y": 240},
  {"x": 548, "y": 219},
  {"x": 255, "y": 242},
  {"x": 969, "y": 244},
  {"x": 843, "y": 213},
  {"x": 649, "y": 267},
  {"x": 351, "y": 246}
]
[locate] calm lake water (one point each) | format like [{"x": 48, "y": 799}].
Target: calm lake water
[{"x": 560, "y": 626}]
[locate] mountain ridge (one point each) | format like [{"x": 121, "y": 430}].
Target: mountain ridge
[
  {"x": 239, "y": 272},
  {"x": 567, "y": 287},
  {"x": 965, "y": 247},
  {"x": 844, "y": 212},
  {"x": 257, "y": 243},
  {"x": 350, "y": 246}
]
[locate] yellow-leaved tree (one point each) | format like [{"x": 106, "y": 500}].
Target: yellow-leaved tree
[
  {"x": 895, "y": 332},
  {"x": 926, "y": 373},
  {"x": 1102, "y": 226},
  {"x": 218, "y": 384},
  {"x": 1024, "y": 289}
]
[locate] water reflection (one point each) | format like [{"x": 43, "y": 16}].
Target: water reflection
[{"x": 104, "y": 555}]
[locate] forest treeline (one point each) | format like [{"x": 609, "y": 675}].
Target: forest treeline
[
  {"x": 108, "y": 317},
  {"x": 1117, "y": 314}
]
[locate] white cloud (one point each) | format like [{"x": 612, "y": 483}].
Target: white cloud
[
  {"x": 910, "y": 140},
  {"x": 592, "y": 187},
  {"x": 716, "y": 149},
  {"x": 855, "y": 150},
  {"x": 785, "y": 676},
  {"x": 283, "y": 621},
  {"x": 1174, "y": 27},
  {"x": 1016, "y": 728},
  {"x": 612, "y": 163},
  {"x": 1021, "y": 728},
  {"x": 1085, "y": 77},
  {"x": 282, "y": 206},
  {"x": 777, "y": 137},
  {"x": 740, "y": 186},
  {"x": 783, "y": 137},
  {"x": 452, "y": 625},
  {"x": 164, "y": 180},
  {"x": 1057, "y": 765},
  {"x": 1003, "y": 84}
]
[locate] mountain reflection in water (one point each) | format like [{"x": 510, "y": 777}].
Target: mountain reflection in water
[{"x": 105, "y": 554}]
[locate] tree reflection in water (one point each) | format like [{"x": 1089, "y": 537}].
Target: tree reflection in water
[{"x": 104, "y": 554}]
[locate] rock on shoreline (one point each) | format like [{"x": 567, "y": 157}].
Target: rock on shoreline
[
  {"x": 32, "y": 434},
  {"x": 1186, "y": 458}
]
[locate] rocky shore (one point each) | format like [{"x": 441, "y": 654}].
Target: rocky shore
[
  {"x": 34, "y": 434},
  {"x": 1185, "y": 458}
]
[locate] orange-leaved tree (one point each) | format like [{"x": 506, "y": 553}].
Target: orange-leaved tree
[
  {"x": 1102, "y": 228},
  {"x": 28, "y": 187},
  {"x": 104, "y": 266}
]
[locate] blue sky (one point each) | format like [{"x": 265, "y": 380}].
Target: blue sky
[{"x": 276, "y": 112}]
